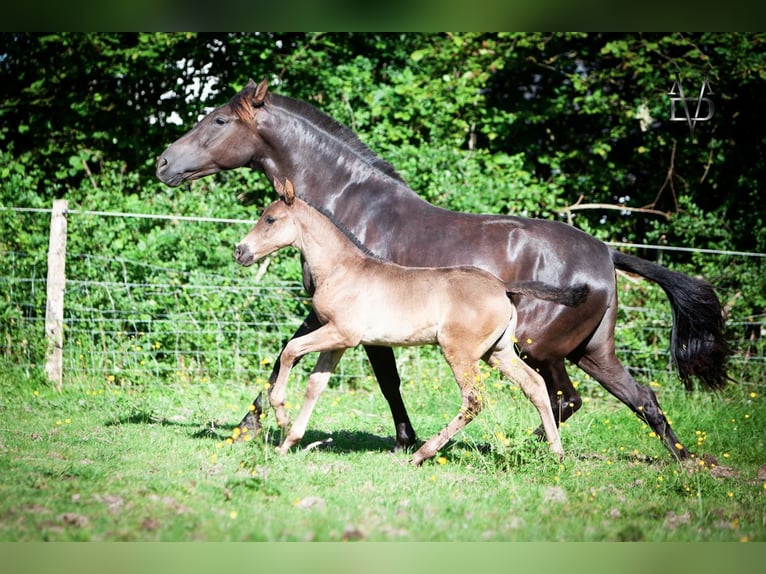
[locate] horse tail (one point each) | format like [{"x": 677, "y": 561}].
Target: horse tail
[
  {"x": 697, "y": 343},
  {"x": 569, "y": 296}
]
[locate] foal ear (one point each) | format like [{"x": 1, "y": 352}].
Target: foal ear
[
  {"x": 289, "y": 192},
  {"x": 260, "y": 92},
  {"x": 280, "y": 189}
]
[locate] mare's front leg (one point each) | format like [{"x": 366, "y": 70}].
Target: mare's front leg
[
  {"x": 326, "y": 338},
  {"x": 250, "y": 423},
  {"x": 383, "y": 364},
  {"x": 315, "y": 387}
]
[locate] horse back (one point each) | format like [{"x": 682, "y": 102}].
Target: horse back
[
  {"x": 510, "y": 247},
  {"x": 382, "y": 303}
]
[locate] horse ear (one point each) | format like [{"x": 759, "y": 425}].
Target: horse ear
[
  {"x": 260, "y": 91},
  {"x": 289, "y": 192},
  {"x": 280, "y": 189}
]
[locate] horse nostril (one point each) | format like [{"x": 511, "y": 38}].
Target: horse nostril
[
  {"x": 242, "y": 254},
  {"x": 162, "y": 163}
]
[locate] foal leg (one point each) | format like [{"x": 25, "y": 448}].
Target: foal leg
[
  {"x": 468, "y": 379},
  {"x": 315, "y": 387},
  {"x": 326, "y": 338},
  {"x": 384, "y": 365},
  {"x": 250, "y": 423},
  {"x": 533, "y": 386}
]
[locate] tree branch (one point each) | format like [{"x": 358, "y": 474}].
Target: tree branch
[{"x": 579, "y": 206}]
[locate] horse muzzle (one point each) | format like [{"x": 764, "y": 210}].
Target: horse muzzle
[{"x": 243, "y": 255}]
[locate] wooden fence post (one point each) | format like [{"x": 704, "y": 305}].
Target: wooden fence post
[{"x": 54, "y": 308}]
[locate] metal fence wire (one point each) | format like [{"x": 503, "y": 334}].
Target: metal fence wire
[{"x": 129, "y": 320}]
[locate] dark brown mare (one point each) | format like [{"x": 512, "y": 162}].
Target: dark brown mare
[
  {"x": 332, "y": 169},
  {"x": 362, "y": 299}
]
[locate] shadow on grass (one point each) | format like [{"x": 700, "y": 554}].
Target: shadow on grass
[
  {"x": 353, "y": 441},
  {"x": 340, "y": 441},
  {"x": 346, "y": 441},
  {"x": 209, "y": 431}
]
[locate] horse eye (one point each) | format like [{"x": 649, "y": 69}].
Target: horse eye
[
  {"x": 270, "y": 220},
  {"x": 219, "y": 121}
]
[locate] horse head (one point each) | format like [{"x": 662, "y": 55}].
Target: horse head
[
  {"x": 224, "y": 139},
  {"x": 275, "y": 229}
]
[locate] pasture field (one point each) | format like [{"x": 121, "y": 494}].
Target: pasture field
[{"x": 101, "y": 462}]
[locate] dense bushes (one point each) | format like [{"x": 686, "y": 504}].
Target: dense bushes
[{"x": 522, "y": 123}]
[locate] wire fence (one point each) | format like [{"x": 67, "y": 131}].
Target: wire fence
[{"x": 132, "y": 320}]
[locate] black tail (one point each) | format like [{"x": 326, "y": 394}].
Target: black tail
[
  {"x": 697, "y": 342},
  {"x": 569, "y": 296}
]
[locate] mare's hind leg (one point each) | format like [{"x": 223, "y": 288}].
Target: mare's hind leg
[
  {"x": 564, "y": 399},
  {"x": 600, "y": 362},
  {"x": 469, "y": 380},
  {"x": 640, "y": 399},
  {"x": 384, "y": 365},
  {"x": 533, "y": 386}
]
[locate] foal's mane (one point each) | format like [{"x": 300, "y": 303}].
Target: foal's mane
[
  {"x": 343, "y": 229},
  {"x": 323, "y": 123}
]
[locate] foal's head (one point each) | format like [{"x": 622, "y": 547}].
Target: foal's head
[{"x": 275, "y": 229}]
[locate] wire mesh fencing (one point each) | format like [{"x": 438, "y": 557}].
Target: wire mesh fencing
[{"x": 152, "y": 317}]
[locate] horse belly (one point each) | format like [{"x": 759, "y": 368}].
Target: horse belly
[
  {"x": 372, "y": 313},
  {"x": 403, "y": 323}
]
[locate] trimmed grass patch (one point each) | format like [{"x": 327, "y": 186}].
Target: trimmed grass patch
[{"x": 103, "y": 462}]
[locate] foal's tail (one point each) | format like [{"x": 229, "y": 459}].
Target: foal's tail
[
  {"x": 697, "y": 342},
  {"x": 569, "y": 296}
]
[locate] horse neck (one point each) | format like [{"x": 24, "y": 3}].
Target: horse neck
[
  {"x": 327, "y": 163},
  {"x": 323, "y": 245}
]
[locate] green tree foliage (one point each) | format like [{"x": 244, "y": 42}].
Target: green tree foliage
[
  {"x": 525, "y": 123},
  {"x": 566, "y": 115}
]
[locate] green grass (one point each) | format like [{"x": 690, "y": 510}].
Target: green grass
[{"x": 103, "y": 462}]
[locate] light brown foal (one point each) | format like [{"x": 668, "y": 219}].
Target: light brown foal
[{"x": 361, "y": 299}]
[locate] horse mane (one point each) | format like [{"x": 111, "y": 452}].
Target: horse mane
[
  {"x": 343, "y": 229},
  {"x": 325, "y": 124}
]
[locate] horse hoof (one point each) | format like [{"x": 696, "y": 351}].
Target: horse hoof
[
  {"x": 244, "y": 433},
  {"x": 401, "y": 447}
]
